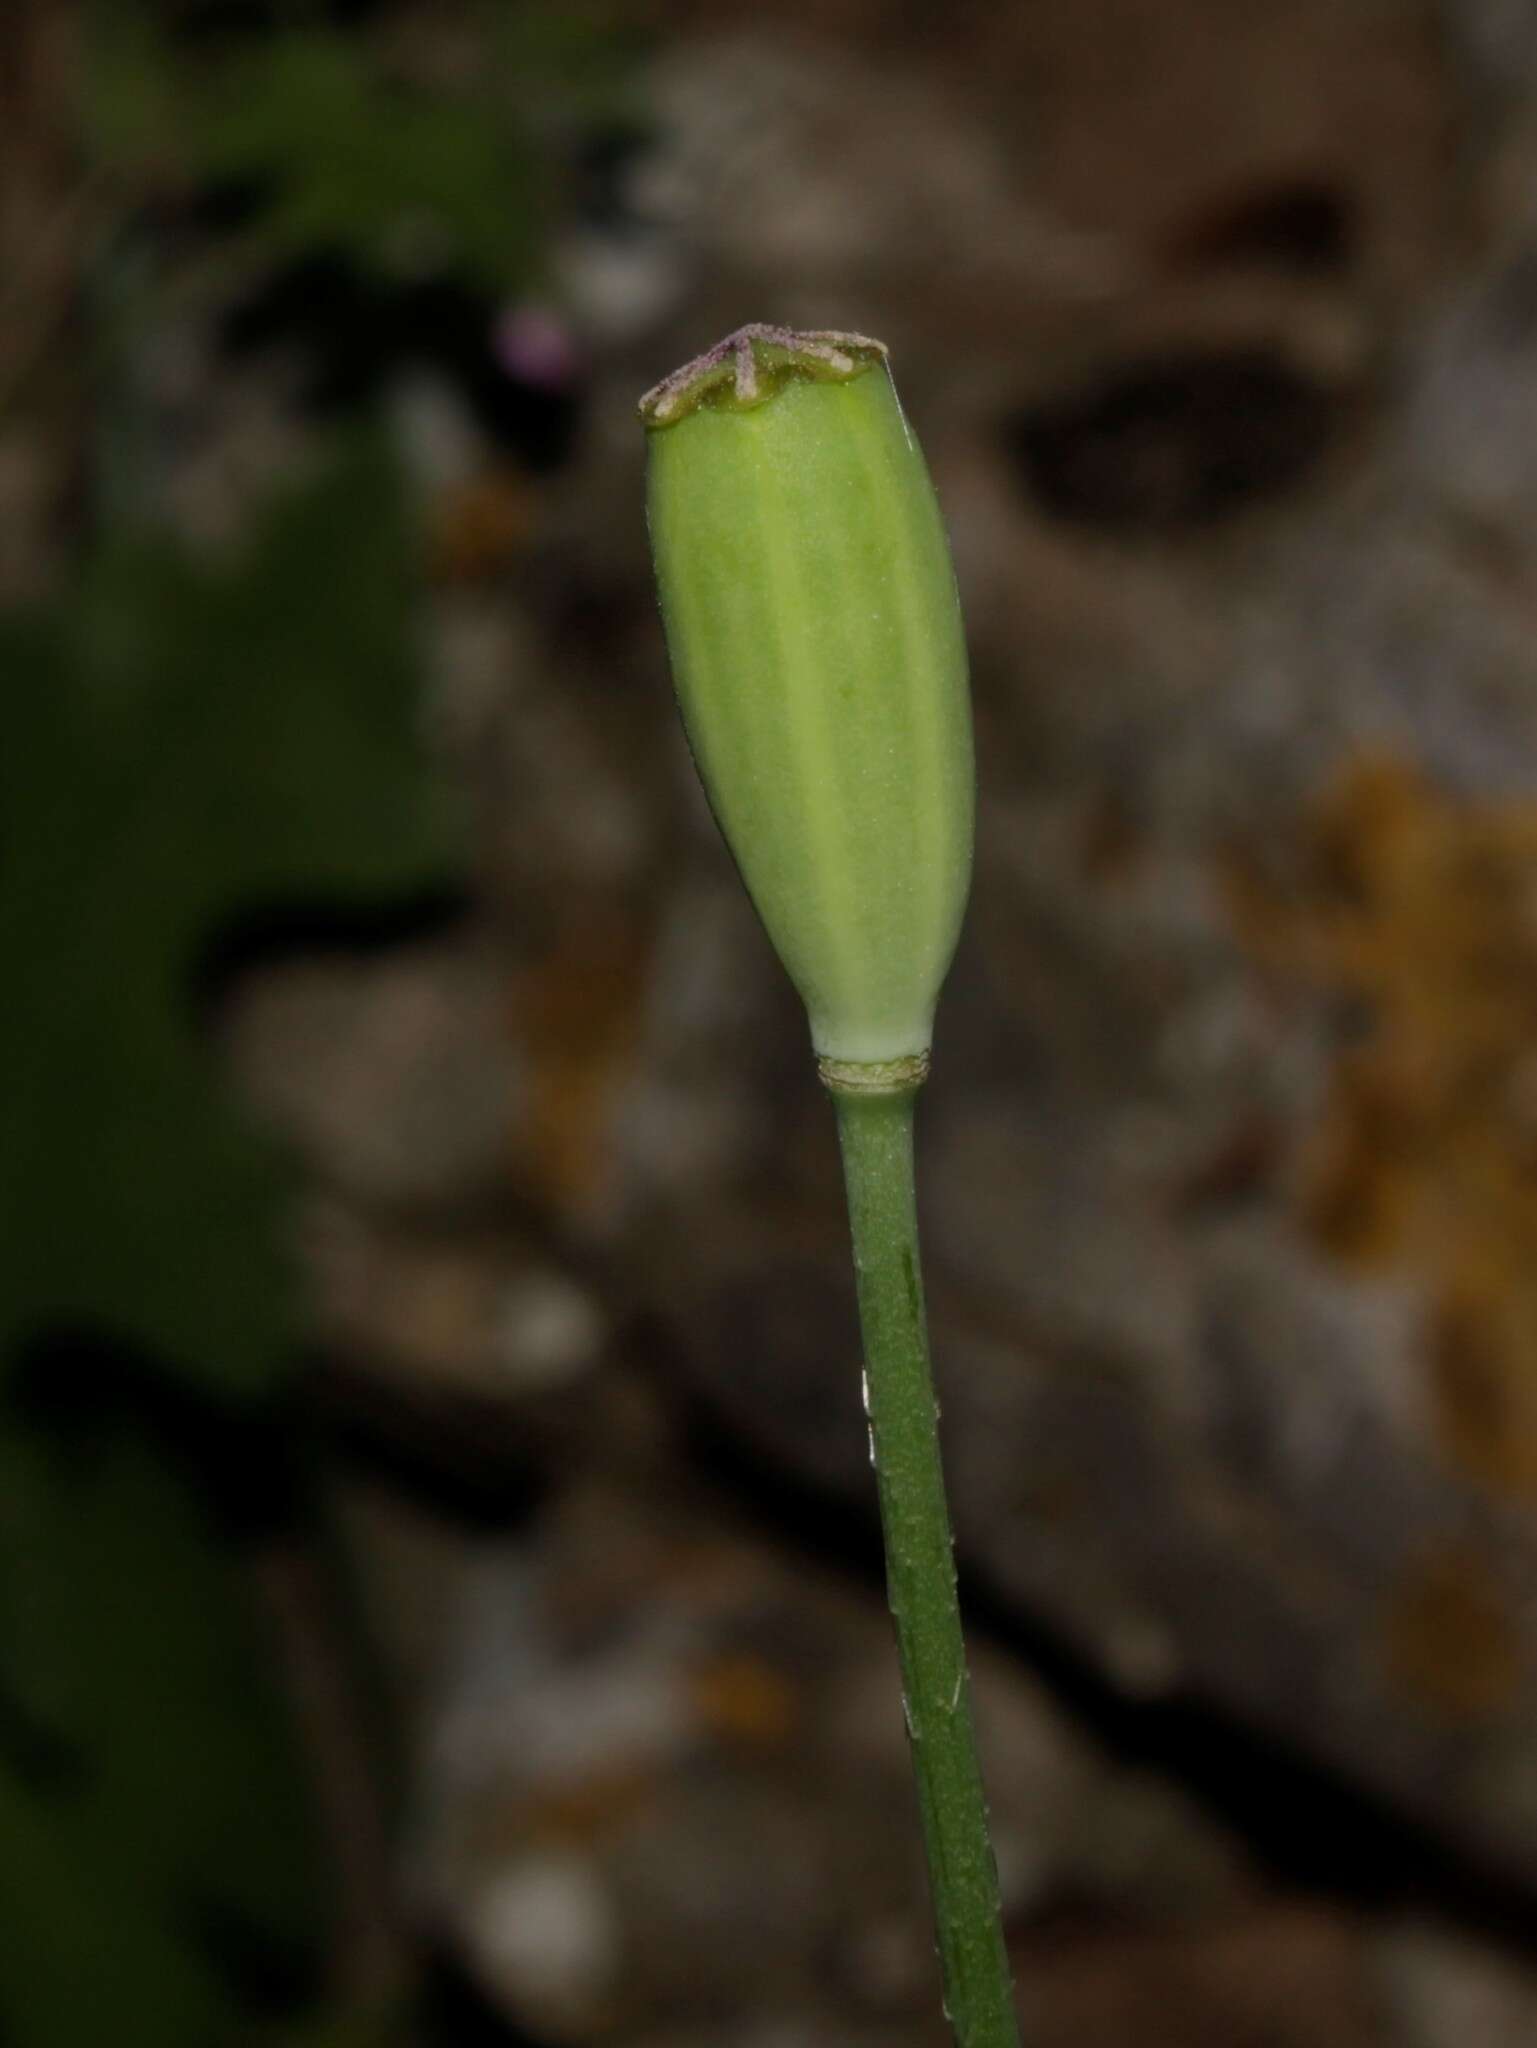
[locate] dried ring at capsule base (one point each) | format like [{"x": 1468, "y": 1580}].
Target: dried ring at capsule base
[{"x": 874, "y": 1077}]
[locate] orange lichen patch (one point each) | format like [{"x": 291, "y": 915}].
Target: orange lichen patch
[
  {"x": 480, "y": 526},
  {"x": 576, "y": 1015},
  {"x": 745, "y": 1702},
  {"x": 1483, "y": 1331},
  {"x": 1418, "y": 910},
  {"x": 575, "y": 1816},
  {"x": 1450, "y": 1643},
  {"x": 1361, "y": 1192}
]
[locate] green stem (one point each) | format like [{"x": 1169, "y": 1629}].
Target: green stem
[{"x": 876, "y": 1134}]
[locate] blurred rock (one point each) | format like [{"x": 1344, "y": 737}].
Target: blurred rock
[
  {"x": 1216, "y": 320},
  {"x": 395, "y": 1077},
  {"x": 665, "y": 1778},
  {"x": 1443, "y": 1988},
  {"x": 447, "y": 1315},
  {"x": 1282, "y": 1977}
]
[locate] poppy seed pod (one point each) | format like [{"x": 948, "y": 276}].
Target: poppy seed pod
[{"x": 816, "y": 645}]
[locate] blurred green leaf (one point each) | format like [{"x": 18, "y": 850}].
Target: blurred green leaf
[
  {"x": 338, "y": 152},
  {"x": 150, "y": 1805},
  {"x": 129, "y": 97},
  {"x": 181, "y": 743},
  {"x": 346, "y": 159}
]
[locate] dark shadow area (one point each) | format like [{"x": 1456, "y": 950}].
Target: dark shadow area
[{"x": 1176, "y": 442}]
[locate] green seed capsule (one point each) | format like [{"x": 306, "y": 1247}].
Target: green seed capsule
[{"x": 817, "y": 649}]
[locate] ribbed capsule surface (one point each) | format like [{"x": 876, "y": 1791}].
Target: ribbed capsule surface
[{"x": 816, "y": 646}]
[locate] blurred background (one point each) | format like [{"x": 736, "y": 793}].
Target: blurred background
[{"x": 440, "y": 1601}]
